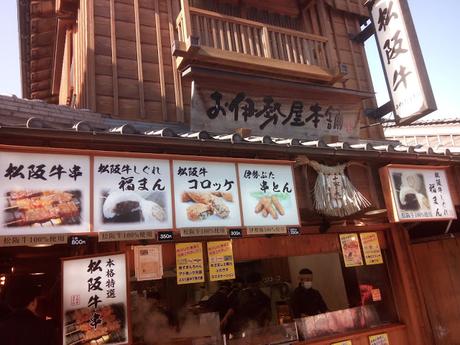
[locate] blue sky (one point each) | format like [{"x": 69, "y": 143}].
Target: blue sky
[{"x": 436, "y": 29}]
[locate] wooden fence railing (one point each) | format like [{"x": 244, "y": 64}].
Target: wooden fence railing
[{"x": 248, "y": 37}]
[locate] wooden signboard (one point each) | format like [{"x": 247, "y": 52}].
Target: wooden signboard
[
  {"x": 222, "y": 111},
  {"x": 401, "y": 57},
  {"x": 417, "y": 193}
]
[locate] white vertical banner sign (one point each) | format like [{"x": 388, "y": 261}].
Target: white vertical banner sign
[
  {"x": 44, "y": 193},
  {"x": 401, "y": 56},
  {"x": 95, "y": 300}
]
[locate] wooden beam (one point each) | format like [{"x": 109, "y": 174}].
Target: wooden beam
[
  {"x": 61, "y": 40},
  {"x": 164, "y": 109},
  {"x": 67, "y": 7},
  {"x": 248, "y": 62},
  {"x": 364, "y": 34},
  {"x": 177, "y": 79},
  {"x": 91, "y": 64},
  {"x": 140, "y": 72},
  {"x": 113, "y": 39},
  {"x": 187, "y": 21}
]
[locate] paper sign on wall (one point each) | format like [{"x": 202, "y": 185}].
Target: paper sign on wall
[
  {"x": 268, "y": 195},
  {"x": 351, "y": 250},
  {"x": 206, "y": 194},
  {"x": 379, "y": 339},
  {"x": 345, "y": 342},
  {"x": 95, "y": 299},
  {"x": 189, "y": 263},
  {"x": 132, "y": 194},
  {"x": 44, "y": 193},
  {"x": 371, "y": 248},
  {"x": 221, "y": 264},
  {"x": 148, "y": 262}
]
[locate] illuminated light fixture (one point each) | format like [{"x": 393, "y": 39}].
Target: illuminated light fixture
[
  {"x": 37, "y": 273},
  {"x": 375, "y": 212},
  {"x": 41, "y": 245}
]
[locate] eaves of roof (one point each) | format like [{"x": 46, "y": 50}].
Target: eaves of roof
[{"x": 166, "y": 140}]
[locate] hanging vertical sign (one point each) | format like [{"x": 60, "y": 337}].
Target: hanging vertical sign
[
  {"x": 401, "y": 56},
  {"x": 132, "y": 194},
  {"x": 44, "y": 193},
  {"x": 379, "y": 339},
  {"x": 148, "y": 262},
  {"x": 269, "y": 195},
  {"x": 95, "y": 299},
  {"x": 351, "y": 250},
  {"x": 417, "y": 193},
  {"x": 189, "y": 263},
  {"x": 221, "y": 264},
  {"x": 371, "y": 248},
  {"x": 206, "y": 194}
]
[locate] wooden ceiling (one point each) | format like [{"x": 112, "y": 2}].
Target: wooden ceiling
[{"x": 37, "y": 24}]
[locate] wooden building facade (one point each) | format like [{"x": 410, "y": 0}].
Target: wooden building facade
[{"x": 268, "y": 81}]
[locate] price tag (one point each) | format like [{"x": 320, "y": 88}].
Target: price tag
[
  {"x": 163, "y": 236},
  {"x": 235, "y": 233},
  {"x": 77, "y": 241},
  {"x": 294, "y": 231}
]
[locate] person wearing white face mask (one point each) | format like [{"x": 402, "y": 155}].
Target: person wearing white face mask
[{"x": 306, "y": 301}]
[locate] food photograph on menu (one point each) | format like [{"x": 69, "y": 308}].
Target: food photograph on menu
[
  {"x": 52, "y": 208},
  {"x": 104, "y": 325},
  {"x": 206, "y": 194},
  {"x": 132, "y": 207}
]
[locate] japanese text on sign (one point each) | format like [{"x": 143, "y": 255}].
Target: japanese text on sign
[
  {"x": 221, "y": 264},
  {"x": 95, "y": 297},
  {"x": 189, "y": 263},
  {"x": 421, "y": 194},
  {"x": 272, "y": 113},
  {"x": 407, "y": 80}
]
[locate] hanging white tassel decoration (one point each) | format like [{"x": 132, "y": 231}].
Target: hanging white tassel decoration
[{"x": 334, "y": 193}]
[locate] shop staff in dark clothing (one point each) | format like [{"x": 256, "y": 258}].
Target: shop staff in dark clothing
[
  {"x": 305, "y": 300},
  {"x": 23, "y": 326},
  {"x": 250, "y": 308}
]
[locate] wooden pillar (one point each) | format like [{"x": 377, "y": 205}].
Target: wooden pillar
[
  {"x": 164, "y": 109},
  {"x": 410, "y": 305},
  {"x": 187, "y": 21},
  {"x": 177, "y": 79},
  {"x": 140, "y": 72},
  {"x": 324, "y": 19},
  {"x": 113, "y": 39},
  {"x": 90, "y": 46}
]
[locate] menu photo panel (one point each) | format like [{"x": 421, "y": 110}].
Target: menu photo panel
[
  {"x": 268, "y": 195},
  {"x": 95, "y": 300},
  {"x": 132, "y": 194},
  {"x": 417, "y": 193},
  {"x": 206, "y": 194},
  {"x": 44, "y": 193}
]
